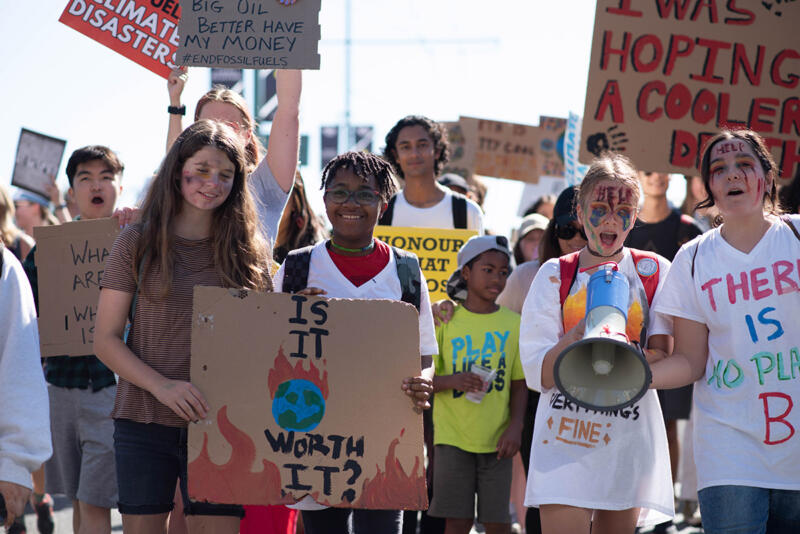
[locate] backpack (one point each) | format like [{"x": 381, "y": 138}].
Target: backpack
[
  {"x": 296, "y": 267},
  {"x": 459, "y": 206},
  {"x": 646, "y": 267}
]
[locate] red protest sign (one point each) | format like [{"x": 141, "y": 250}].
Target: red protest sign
[
  {"x": 145, "y": 31},
  {"x": 667, "y": 75}
]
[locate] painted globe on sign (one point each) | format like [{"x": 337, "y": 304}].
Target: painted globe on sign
[{"x": 298, "y": 405}]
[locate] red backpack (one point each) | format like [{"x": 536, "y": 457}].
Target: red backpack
[{"x": 646, "y": 266}]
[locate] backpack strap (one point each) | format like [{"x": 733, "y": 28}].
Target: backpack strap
[
  {"x": 459, "y": 203},
  {"x": 408, "y": 273},
  {"x": 788, "y": 220},
  {"x": 647, "y": 267},
  {"x": 295, "y": 269},
  {"x": 386, "y": 218},
  {"x": 569, "y": 270}
]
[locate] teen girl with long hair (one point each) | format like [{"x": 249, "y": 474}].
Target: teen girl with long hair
[
  {"x": 734, "y": 296},
  {"x": 198, "y": 227},
  {"x": 270, "y": 176},
  {"x": 616, "y": 477}
]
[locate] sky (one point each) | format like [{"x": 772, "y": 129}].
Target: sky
[{"x": 510, "y": 61}]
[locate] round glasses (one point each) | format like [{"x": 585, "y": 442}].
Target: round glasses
[{"x": 363, "y": 197}]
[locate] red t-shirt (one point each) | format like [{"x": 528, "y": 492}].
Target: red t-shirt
[{"x": 361, "y": 269}]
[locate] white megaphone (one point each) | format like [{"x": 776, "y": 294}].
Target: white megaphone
[{"x": 604, "y": 371}]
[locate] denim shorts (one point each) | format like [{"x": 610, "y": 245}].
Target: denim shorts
[
  {"x": 749, "y": 510},
  {"x": 151, "y": 458}
]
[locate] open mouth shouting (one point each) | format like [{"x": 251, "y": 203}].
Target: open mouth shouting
[
  {"x": 98, "y": 200},
  {"x": 608, "y": 239}
]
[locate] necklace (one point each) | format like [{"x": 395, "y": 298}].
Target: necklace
[
  {"x": 361, "y": 250},
  {"x": 598, "y": 255}
]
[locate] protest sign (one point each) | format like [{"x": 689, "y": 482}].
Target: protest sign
[
  {"x": 666, "y": 75},
  {"x": 250, "y": 34},
  {"x": 70, "y": 260},
  {"x": 37, "y": 162},
  {"x": 514, "y": 151},
  {"x": 436, "y": 248},
  {"x": 573, "y": 170},
  {"x": 306, "y": 399},
  {"x": 145, "y": 31},
  {"x": 462, "y": 153}
]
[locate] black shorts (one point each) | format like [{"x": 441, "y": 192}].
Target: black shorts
[{"x": 151, "y": 458}]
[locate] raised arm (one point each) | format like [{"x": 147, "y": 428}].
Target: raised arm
[
  {"x": 284, "y": 141},
  {"x": 687, "y": 363},
  {"x": 175, "y": 83}
]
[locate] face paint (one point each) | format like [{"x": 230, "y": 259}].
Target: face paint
[
  {"x": 730, "y": 146},
  {"x": 609, "y": 217}
]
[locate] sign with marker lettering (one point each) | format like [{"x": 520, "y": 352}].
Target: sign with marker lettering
[
  {"x": 515, "y": 151},
  {"x": 306, "y": 399},
  {"x": 436, "y": 249},
  {"x": 666, "y": 75},
  {"x": 144, "y": 31},
  {"x": 250, "y": 34},
  {"x": 70, "y": 259},
  {"x": 37, "y": 162}
]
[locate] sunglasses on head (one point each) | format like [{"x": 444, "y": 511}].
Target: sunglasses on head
[
  {"x": 363, "y": 197},
  {"x": 568, "y": 232}
]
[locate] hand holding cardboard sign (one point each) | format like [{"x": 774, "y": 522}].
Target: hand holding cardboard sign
[
  {"x": 182, "y": 398},
  {"x": 419, "y": 388}
]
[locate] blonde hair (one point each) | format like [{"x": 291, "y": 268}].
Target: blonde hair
[
  {"x": 253, "y": 149},
  {"x": 609, "y": 166},
  {"x": 8, "y": 230}
]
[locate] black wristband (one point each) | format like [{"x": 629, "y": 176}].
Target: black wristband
[{"x": 175, "y": 110}]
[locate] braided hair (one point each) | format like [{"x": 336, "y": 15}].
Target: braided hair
[{"x": 363, "y": 165}]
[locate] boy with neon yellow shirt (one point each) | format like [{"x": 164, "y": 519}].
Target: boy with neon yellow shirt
[{"x": 475, "y": 441}]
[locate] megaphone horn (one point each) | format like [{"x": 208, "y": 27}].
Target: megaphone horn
[{"x": 604, "y": 371}]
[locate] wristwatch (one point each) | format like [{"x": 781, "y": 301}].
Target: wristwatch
[{"x": 175, "y": 110}]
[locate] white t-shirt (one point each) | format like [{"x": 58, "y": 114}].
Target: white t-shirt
[
  {"x": 597, "y": 460},
  {"x": 747, "y": 406},
  {"x": 438, "y": 216},
  {"x": 24, "y": 409},
  {"x": 324, "y": 274}
]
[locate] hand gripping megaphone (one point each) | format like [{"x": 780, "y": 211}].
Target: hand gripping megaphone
[{"x": 604, "y": 371}]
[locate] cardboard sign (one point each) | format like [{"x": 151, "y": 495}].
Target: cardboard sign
[
  {"x": 37, "y": 162},
  {"x": 306, "y": 399},
  {"x": 667, "y": 75},
  {"x": 515, "y": 151},
  {"x": 250, "y": 34},
  {"x": 70, "y": 260},
  {"x": 145, "y": 31},
  {"x": 462, "y": 153},
  {"x": 573, "y": 170},
  {"x": 436, "y": 248}
]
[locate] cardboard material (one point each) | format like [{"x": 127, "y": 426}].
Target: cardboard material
[
  {"x": 37, "y": 162},
  {"x": 665, "y": 76},
  {"x": 70, "y": 260},
  {"x": 573, "y": 170},
  {"x": 250, "y": 34},
  {"x": 143, "y": 31},
  {"x": 436, "y": 248},
  {"x": 462, "y": 153},
  {"x": 515, "y": 151},
  {"x": 305, "y": 399}
]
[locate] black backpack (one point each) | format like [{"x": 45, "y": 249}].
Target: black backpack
[
  {"x": 296, "y": 265},
  {"x": 459, "y": 211}
]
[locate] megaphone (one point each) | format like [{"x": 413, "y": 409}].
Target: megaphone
[{"x": 604, "y": 371}]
